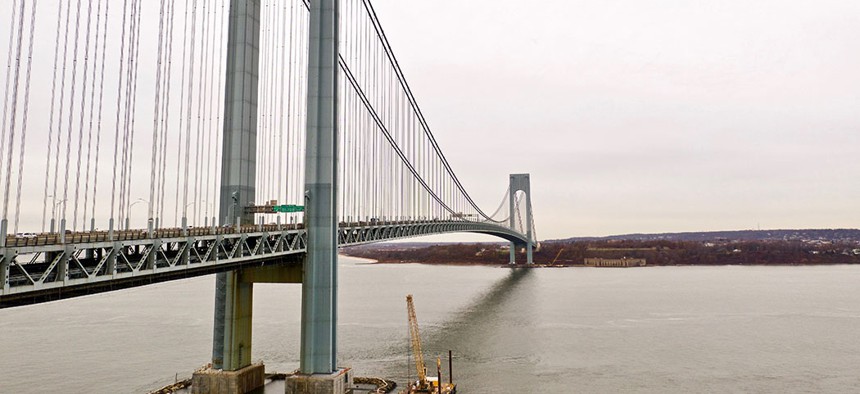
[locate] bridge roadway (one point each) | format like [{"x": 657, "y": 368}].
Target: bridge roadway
[{"x": 53, "y": 266}]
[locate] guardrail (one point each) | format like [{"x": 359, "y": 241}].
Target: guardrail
[{"x": 52, "y": 266}]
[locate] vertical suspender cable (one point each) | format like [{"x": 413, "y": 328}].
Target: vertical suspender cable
[
  {"x": 201, "y": 110},
  {"x": 281, "y": 114},
  {"x": 71, "y": 110},
  {"x": 25, "y": 115},
  {"x": 209, "y": 124},
  {"x": 83, "y": 114},
  {"x": 262, "y": 97},
  {"x": 13, "y": 23},
  {"x": 101, "y": 102},
  {"x": 51, "y": 122},
  {"x": 271, "y": 101},
  {"x": 188, "y": 113},
  {"x": 118, "y": 109},
  {"x": 131, "y": 114},
  {"x": 158, "y": 204},
  {"x": 92, "y": 112},
  {"x": 277, "y": 102},
  {"x": 129, "y": 106},
  {"x": 165, "y": 121},
  {"x": 182, "y": 108},
  {"x": 218, "y": 141},
  {"x": 62, "y": 107},
  {"x": 14, "y": 113},
  {"x": 156, "y": 109},
  {"x": 395, "y": 64}
]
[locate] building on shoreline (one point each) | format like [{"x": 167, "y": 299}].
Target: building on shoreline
[{"x": 621, "y": 263}]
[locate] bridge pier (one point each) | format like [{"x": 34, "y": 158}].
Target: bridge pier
[
  {"x": 529, "y": 259},
  {"x": 529, "y": 253},
  {"x": 236, "y": 318},
  {"x": 234, "y": 372}
]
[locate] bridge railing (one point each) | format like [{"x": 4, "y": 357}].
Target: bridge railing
[
  {"x": 32, "y": 273},
  {"x": 84, "y": 237}
]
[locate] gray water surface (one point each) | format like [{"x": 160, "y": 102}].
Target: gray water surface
[{"x": 653, "y": 329}]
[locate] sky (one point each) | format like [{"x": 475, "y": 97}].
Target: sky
[
  {"x": 631, "y": 116},
  {"x": 644, "y": 116}
]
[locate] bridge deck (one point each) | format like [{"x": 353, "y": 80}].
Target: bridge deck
[{"x": 46, "y": 267}]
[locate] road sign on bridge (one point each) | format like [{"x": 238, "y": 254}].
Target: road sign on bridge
[{"x": 284, "y": 208}]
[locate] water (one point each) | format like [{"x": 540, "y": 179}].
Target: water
[{"x": 655, "y": 329}]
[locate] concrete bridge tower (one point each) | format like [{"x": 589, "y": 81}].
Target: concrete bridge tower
[
  {"x": 521, "y": 182},
  {"x": 232, "y": 370}
]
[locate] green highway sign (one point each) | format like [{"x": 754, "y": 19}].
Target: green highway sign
[{"x": 288, "y": 208}]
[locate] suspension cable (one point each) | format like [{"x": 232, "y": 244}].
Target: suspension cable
[
  {"x": 13, "y": 111},
  {"x": 92, "y": 115},
  {"x": 12, "y": 25},
  {"x": 157, "y": 111},
  {"x": 387, "y": 134},
  {"x": 83, "y": 113},
  {"x": 413, "y": 102},
  {"x": 101, "y": 107},
  {"x": 25, "y": 116},
  {"x": 118, "y": 112},
  {"x": 51, "y": 122}
]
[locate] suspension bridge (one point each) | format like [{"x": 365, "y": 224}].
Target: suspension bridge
[{"x": 258, "y": 135}]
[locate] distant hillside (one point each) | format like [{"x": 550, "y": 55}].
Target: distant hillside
[
  {"x": 841, "y": 235},
  {"x": 653, "y": 252}
]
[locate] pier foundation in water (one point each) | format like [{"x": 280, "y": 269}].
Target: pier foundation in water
[
  {"x": 335, "y": 383},
  {"x": 216, "y": 381}
]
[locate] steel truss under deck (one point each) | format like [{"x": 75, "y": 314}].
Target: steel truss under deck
[{"x": 40, "y": 269}]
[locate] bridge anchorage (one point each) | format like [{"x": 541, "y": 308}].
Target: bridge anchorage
[{"x": 319, "y": 144}]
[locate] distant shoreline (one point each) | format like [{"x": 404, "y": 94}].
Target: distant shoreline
[
  {"x": 521, "y": 264},
  {"x": 612, "y": 253}
]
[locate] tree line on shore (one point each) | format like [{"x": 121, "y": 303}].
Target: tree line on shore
[{"x": 656, "y": 252}]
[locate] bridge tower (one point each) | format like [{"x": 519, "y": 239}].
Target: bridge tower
[
  {"x": 231, "y": 342},
  {"x": 318, "y": 354},
  {"x": 231, "y": 347},
  {"x": 521, "y": 182}
]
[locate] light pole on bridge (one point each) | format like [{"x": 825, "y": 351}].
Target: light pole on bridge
[
  {"x": 54, "y": 214},
  {"x": 185, "y": 217},
  {"x": 128, "y": 215}
]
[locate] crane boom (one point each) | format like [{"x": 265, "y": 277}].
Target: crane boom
[
  {"x": 416, "y": 343},
  {"x": 557, "y": 254}
]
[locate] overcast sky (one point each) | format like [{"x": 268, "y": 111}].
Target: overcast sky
[{"x": 645, "y": 116}]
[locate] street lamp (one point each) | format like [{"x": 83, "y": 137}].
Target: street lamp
[
  {"x": 45, "y": 205},
  {"x": 185, "y": 216},
  {"x": 54, "y": 213},
  {"x": 212, "y": 203},
  {"x": 206, "y": 212},
  {"x": 128, "y": 216}
]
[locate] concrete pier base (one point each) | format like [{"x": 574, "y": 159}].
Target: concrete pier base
[
  {"x": 216, "y": 381},
  {"x": 339, "y": 382}
]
